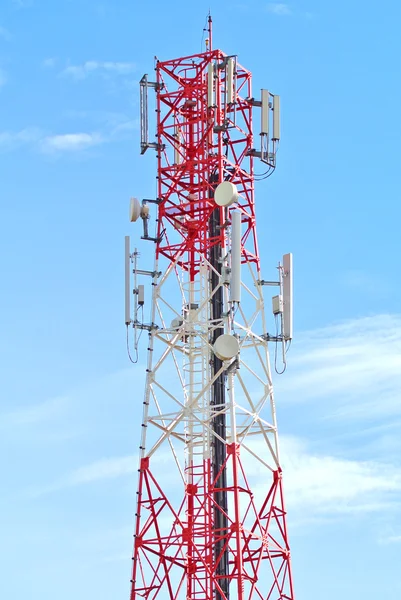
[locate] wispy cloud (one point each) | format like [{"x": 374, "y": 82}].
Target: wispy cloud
[
  {"x": 36, "y": 138},
  {"x": 3, "y": 78},
  {"x": 392, "y": 539},
  {"x": 70, "y": 142},
  {"x": 319, "y": 484},
  {"x": 121, "y": 557},
  {"x": 5, "y": 34},
  {"x": 336, "y": 485},
  {"x": 40, "y": 424},
  {"x": 354, "y": 367},
  {"x": 109, "y": 468},
  {"x": 22, "y": 3},
  {"x": 65, "y": 142},
  {"x": 38, "y": 413},
  {"x": 117, "y": 124},
  {"x": 279, "y": 8},
  {"x": 89, "y": 67},
  {"x": 126, "y": 127},
  {"x": 367, "y": 283},
  {"x": 100, "y": 470},
  {"x": 10, "y": 140},
  {"x": 325, "y": 486},
  {"x": 49, "y": 63}
]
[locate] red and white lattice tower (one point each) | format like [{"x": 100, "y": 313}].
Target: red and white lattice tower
[{"x": 210, "y": 514}]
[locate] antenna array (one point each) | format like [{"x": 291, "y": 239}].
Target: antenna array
[{"x": 210, "y": 517}]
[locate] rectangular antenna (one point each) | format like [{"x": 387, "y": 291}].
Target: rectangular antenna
[
  {"x": 127, "y": 281},
  {"x": 143, "y": 87},
  {"x": 141, "y": 295},
  {"x": 177, "y": 145},
  {"x": 265, "y": 113},
  {"x": 230, "y": 80},
  {"x": 276, "y": 118},
  {"x": 210, "y": 85},
  {"x": 144, "y": 84},
  {"x": 287, "y": 296},
  {"x": 235, "y": 287}
]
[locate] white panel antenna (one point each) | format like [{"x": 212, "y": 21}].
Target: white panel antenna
[
  {"x": 230, "y": 80},
  {"x": 177, "y": 145},
  {"x": 210, "y": 85},
  {"x": 265, "y": 112},
  {"x": 287, "y": 296},
  {"x": 276, "y": 118},
  {"x": 235, "y": 287},
  {"x": 144, "y": 86},
  {"x": 127, "y": 281}
]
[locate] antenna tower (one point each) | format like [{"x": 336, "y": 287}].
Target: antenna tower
[{"x": 210, "y": 520}]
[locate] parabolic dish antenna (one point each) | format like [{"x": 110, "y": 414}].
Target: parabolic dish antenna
[
  {"x": 225, "y": 194},
  {"x": 134, "y": 210},
  {"x": 226, "y": 347}
]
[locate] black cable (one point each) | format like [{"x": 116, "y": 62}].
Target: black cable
[
  {"x": 275, "y": 351},
  {"x": 265, "y": 175},
  {"x": 128, "y": 350},
  {"x": 261, "y": 174},
  {"x": 137, "y": 342},
  {"x": 269, "y": 174}
]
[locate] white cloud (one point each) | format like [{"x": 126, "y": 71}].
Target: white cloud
[
  {"x": 323, "y": 486},
  {"x": 33, "y": 136},
  {"x": 115, "y": 127},
  {"x": 49, "y": 63},
  {"x": 353, "y": 367},
  {"x": 48, "y": 422},
  {"x": 109, "y": 468},
  {"x": 316, "y": 485},
  {"x": 5, "y": 34},
  {"x": 362, "y": 281},
  {"x": 121, "y": 557},
  {"x": 327, "y": 484},
  {"x": 64, "y": 143},
  {"x": 100, "y": 470},
  {"x": 126, "y": 127},
  {"x": 38, "y": 413},
  {"x": 91, "y": 66},
  {"x": 9, "y": 140},
  {"x": 3, "y": 77},
  {"x": 112, "y": 468},
  {"x": 70, "y": 142},
  {"x": 279, "y": 8},
  {"x": 117, "y": 124},
  {"x": 22, "y": 3},
  {"x": 392, "y": 539}
]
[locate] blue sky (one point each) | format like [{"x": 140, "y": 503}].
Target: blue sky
[{"x": 69, "y": 162}]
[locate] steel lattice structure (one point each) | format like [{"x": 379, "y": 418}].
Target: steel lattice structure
[{"x": 210, "y": 516}]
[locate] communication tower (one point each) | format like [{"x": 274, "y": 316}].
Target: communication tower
[{"x": 210, "y": 519}]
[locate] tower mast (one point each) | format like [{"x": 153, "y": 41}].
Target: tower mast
[
  {"x": 210, "y": 517},
  {"x": 218, "y": 391}
]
